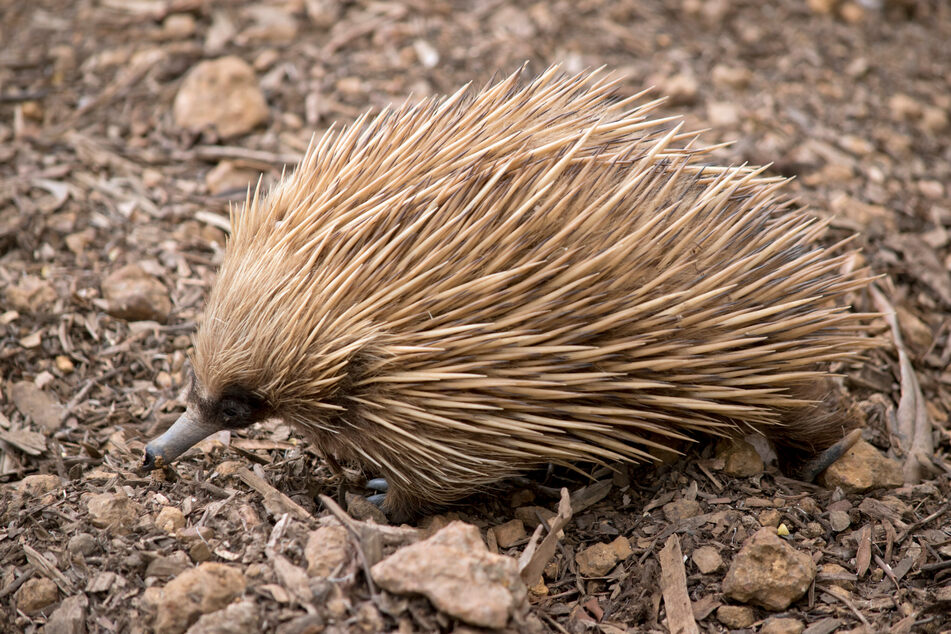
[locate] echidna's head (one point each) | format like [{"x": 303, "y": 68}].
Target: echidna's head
[{"x": 269, "y": 344}]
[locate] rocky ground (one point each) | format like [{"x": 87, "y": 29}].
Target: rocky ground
[{"x": 121, "y": 148}]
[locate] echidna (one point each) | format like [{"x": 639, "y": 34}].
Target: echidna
[{"x": 456, "y": 291}]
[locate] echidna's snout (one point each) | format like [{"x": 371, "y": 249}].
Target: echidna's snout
[{"x": 187, "y": 430}]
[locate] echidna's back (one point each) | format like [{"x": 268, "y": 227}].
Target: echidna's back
[{"x": 461, "y": 289}]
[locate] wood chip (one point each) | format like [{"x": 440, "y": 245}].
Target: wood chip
[{"x": 673, "y": 581}]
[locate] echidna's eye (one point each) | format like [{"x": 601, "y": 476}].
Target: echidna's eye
[{"x": 238, "y": 408}]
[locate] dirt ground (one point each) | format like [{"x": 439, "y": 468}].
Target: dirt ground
[{"x": 850, "y": 98}]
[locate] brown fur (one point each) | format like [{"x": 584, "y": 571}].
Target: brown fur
[{"x": 461, "y": 290}]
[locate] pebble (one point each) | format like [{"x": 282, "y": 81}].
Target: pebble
[
  {"x": 178, "y": 26},
  {"x": 904, "y": 107},
  {"x": 115, "y": 511},
  {"x": 30, "y": 295},
  {"x": 197, "y": 591},
  {"x": 732, "y": 76},
  {"x": 270, "y": 24},
  {"x": 770, "y": 517},
  {"x": 35, "y": 594},
  {"x": 782, "y": 625},
  {"x": 740, "y": 458},
  {"x": 707, "y": 559},
  {"x": 599, "y": 559},
  {"x": 237, "y": 618},
  {"x": 37, "y": 405},
  {"x": 64, "y": 364},
  {"x": 509, "y": 533},
  {"x": 863, "y": 467},
  {"x": 34, "y": 486},
  {"x": 455, "y": 571},
  {"x": 768, "y": 572},
  {"x": 168, "y": 566},
  {"x": 530, "y": 514},
  {"x": 226, "y": 176},
  {"x": 839, "y": 520},
  {"x": 134, "y": 295},
  {"x": 736, "y": 616},
  {"x": 679, "y": 510},
  {"x": 221, "y": 94},
  {"x": 82, "y": 544},
  {"x": 169, "y": 519},
  {"x": 327, "y": 548},
  {"x": 69, "y": 617}
]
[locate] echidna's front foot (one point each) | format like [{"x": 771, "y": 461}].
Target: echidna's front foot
[
  {"x": 381, "y": 485},
  {"x": 811, "y": 469}
]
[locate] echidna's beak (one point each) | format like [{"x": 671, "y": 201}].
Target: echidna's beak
[{"x": 187, "y": 430}]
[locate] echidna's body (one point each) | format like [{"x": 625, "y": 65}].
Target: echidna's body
[{"x": 457, "y": 291}]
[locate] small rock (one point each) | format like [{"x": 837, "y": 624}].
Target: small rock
[
  {"x": 362, "y": 509},
  {"x": 69, "y": 617},
  {"x": 222, "y": 94},
  {"x": 228, "y": 177},
  {"x": 679, "y": 510},
  {"x": 30, "y": 295},
  {"x": 770, "y": 517},
  {"x": 823, "y": 7},
  {"x": 178, "y": 26},
  {"x": 530, "y": 514},
  {"x": 237, "y": 618},
  {"x": 64, "y": 364},
  {"x": 271, "y": 24},
  {"x": 782, "y": 625},
  {"x": 510, "y": 532},
  {"x": 839, "y": 520},
  {"x": 134, "y": 295},
  {"x": 37, "y": 405},
  {"x": 292, "y": 578},
  {"x": 77, "y": 242},
  {"x": 707, "y": 559},
  {"x": 934, "y": 120},
  {"x": 598, "y": 560},
  {"x": 622, "y": 547},
  {"x": 170, "y": 566},
  {"x": 113, "y": 510},
  {"x": 35, "y": 594},
  {"x": 852, "y": 13},
  {"x": 723, "y": 113},
  {"x": 33, "y": 486},
  {"x": 197, "y": 591},
  {"x": 732, "y": 76},
  {"x": 426, "y": 53},
  {"x": 904, "y": 107},
  {"x": 931, "y": 189},
  {"x": 768, "y": 572},
  {"x": 736, "y": 616},
  {"x": 367, "y": 618},
  {"x": 327, "y": 549},
  {"x": 681, "y": 89},
  {"x": 740, "y": 458},
  {"x": 169, "y": 519},
  {"x": 458, "y": 574},
  {"x": 82, "y": 544},
  {"x": 862, "y": 467}
]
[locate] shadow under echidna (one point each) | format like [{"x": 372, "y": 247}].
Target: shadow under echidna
[{"x": 455, "y": 292}]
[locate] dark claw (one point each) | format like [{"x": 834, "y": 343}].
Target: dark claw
[
  {"x": 152, "y": 461},
  {"x": 377, "y": 499},
  {"x": 378, "y": 484},
  {"x": 819, "y": 463}
]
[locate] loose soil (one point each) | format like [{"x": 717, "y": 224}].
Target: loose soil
[{"x": 850, "y": 98}]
